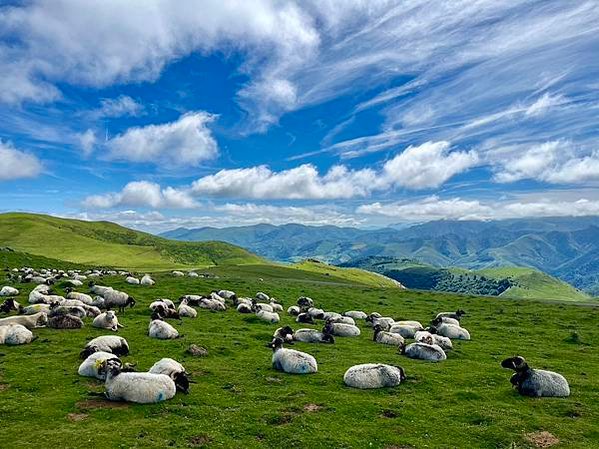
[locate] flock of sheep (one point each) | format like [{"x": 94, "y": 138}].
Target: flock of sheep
[{"x": 167, "y": 376}]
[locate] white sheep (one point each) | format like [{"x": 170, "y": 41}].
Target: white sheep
[
  {"x": 107, "y": 320},
  {"x": 424, "y": 351},
  {"x": 386, "y": 338},
  {"x": 227, "y": 294},
  {"x": 178, "y": 274},
  {"x": 316, "y": 313},
  {"x": 244, "y": 308},
  {"x": 15, "y": 334},
  {"x": 263, "y": 306},
  {"x": 444, "y": 342},
  {"x": 8, "y": 291},
  {"x": 536, "y": 382},
  {"x": 261, "y": 296},
  {"x": 312, "y": 336},
  {"x": 106, "y": 343},
  {"x": 142, "y": 388},
  {"x": 293, "y": 310},
  {"x": 270, "y": 317},
  {"x": 86, "y": 299},
  {"x": 175, "y": 371},
  {"x": 284, "y": 333},
  {"x": 34, "y": 308},
  {"x": 276, "y": 307},
  {"x": 356, "y": 314},
  {"x": 132, "y": 280},
  {"x": 92, "y": 365},
  {"x": 455, "y": 315},
  {"x": 39, "y": 319},
  {"x": 186, "y": 311},
  {"x": 373, "y": 375},
  {"x": 407, "y": 329},
  {"x": 450, "y": 331},
  {"x": 161, "y": 329},
  {"x": 342, "y": 329},
  {"x": 291, "y": 361},
  {"x": 115, "y": 298},
  {"x": 147, "y": 280}
]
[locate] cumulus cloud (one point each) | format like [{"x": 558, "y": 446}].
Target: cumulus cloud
[
  {"x": 87, "y": 142},
  {"x": 118, "y": 107},
  {"x": 141, "y": 194},
  {"x": 185, "y": 142},
  {"x": 16, "y": 164},
  {"x": 555, "y": 162}
]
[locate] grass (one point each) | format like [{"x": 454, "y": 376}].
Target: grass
[
  {"x": 240, "y": 401},
  {"x": 349, "y": 274},
  {"x": 535, "y": 284},
  {"x": 108, "y": 244}
]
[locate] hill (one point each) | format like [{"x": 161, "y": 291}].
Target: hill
[
  {"x": 108, "y": 244},
  {"x": 515, "y": 282},
  {"x": 567, "y": 248}
]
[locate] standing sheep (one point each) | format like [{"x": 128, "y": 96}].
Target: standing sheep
[
  {"x": 291, "y": 361},
  {"x": 370, "y": 375},
  {"x": 536, "y": 382}
]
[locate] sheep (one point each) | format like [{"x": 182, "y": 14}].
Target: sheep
[
  {"x": 448, "y": 320},
  {"x": 293, "y": 311},
  {"x": 85, "y": 299},
  {"x": 305, "y": 318},
  {"x": 536, "y": 382},
  {"x": 106, "y": 343},
  {"x": 276, "y": 307},
  {"x": 304, "y": 302},
  {"x": 426, "y": 350},
  {"x": 312, "y": 336},
  {"x": 99, "y": 289},
  {"x": 90, "y": 367},
  {"x": 178, "y": 274},
  {"x": 457, "y": 315},
  {"x": 175, "y": 371},
  {"x": 77, "y": 311},
  {"x": 407, "y": 329},
  {"x": 284, "y": 333},
  {"x": 65, "y": 321},
  {"x": 160, "y": 329},
  {"x": 192, "y": 300},
  {"x": 147, "y": 280},
  {"x": 385, "y": 321},
  {"x": 193, "y": 274},
  {"x": 8, "y": 291},
  {"x": 449, "y": 330},
  {"x": 74, "y": 282},
  {"x": 34, "y": 308},
  {"x": 244, "y": 308},
  {"x": 342, "y": 329},
  {"x": 15, "y": 334},
  {"x": 187, "y": 311},
  {"x": 260, "y": 296},
  {"x": 8, "y": 305},
  {"x": 444, "y": 342},
  {"x": 167, "y": 302},
  {"x": 39, "y": 319},
  {"x": 342, "y": 319},
  {"x": 107, "y": 320},
  {"x": 291, "y": 361},
  {"x": 142, "y": 388},
  {"x": 270, "y": 317},
  {"x": 212, "y": 304},
  {"x": 227, "y": 294},
  {"x": 131, "y": 280},
  {"x": 92, "y": 311},
  {"x": 263, "y": 306},
  {"x": 386, "y": 338},
  {"x": 317, "y": 314},
  {"x": 99, "y": 302},
  {"x": 333, "y": 316},
  {"x": 373, "y": 375},
  {"x": 356, "y": 314},
  {"x": 115, "y": 298}
]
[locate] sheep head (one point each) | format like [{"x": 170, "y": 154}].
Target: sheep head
[{"x": 515, "y": 363}]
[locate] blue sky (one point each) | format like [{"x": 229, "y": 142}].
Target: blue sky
[{"x": 157, "y": 114}]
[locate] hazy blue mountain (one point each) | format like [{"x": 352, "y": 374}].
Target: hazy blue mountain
[{"x": 567, "y": 248}]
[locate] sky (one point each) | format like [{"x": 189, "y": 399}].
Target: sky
[{"x": 158, "y": 114}]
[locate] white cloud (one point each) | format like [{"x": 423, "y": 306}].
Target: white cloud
[
  {"x": 87, "y": 141},
  {"x": 555, "y": 162},
  {"x": 185, "y": 142},
  {"x": 544, "y": 104},
  {"x": 15, "y": 164},
  {"x": 118, "y": 107},
  {"x": 141, "y": 194}
]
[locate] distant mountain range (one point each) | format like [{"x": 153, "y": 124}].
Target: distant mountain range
[{"x": 565, "y": 247}]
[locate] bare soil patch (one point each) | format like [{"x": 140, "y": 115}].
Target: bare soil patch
[{"x": 542, "y": 439}]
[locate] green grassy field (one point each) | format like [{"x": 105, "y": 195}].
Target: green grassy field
[{"x": 239, "y": 401}]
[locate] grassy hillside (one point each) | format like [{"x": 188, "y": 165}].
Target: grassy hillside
[
  {"x": 349, "y": 274},
  {"x": 516, "y": 282},
  {"x": 104, "y": 243},
  {"x": 239, "y": 400}
]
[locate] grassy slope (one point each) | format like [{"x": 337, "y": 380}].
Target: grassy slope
[
  {"x": 535, "y": 284},
  {"x": 104, "y": 243},
  {"x": 240, "y": 401},
  {"x": 349, "y": 274}
]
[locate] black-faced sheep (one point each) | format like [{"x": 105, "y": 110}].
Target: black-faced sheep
[
  {"x": 312, "y": 336},
  {"x": 106, "y": 343},
  {"x": 341, "y": 329},
  {"x": 175, "y": 371},
  {"x": 91, "y": 366},
  {"x": 161, "y": 329},
  {"x": 386, "y": 338},
  {"x": 284, "y": 333},
  {"x": 371, "y": 375},
  {"x": 423, "y": 351},
  {"x": 449, "y": 330},
  {"x": 536, "y": 382},
  {"x": 457, "y": 315},
  {"x": 291, "y": 361}
]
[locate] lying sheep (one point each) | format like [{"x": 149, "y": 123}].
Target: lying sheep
[
  {"x": 356, "y": 314},
  {"x": 91, "y": 366},
  {"x": 65, "y": 321},
  {"x": 107, "y": 320},
  {"x": 85, "y": 299},
  {"x": 305, "y": 318},
  {"x": 168, "y": 303},
  {"x": 312, "y": 336},
  {"x": 147, "y": 280},
  {"x": 291, "y": 361},
  {"x": 106, "y": 343},
  {"x": 15, "y": 334},
  {"x": 371, "y": 375},
  {"x": 175, "y": 371},
  {"x": 407, "y": 329},
  {"x": 227, "y": 294},
  {"x": 444, "y": 342},
  {"x": 293, "y": 310},
  {"x": 304, "y": 302},
  {"x": 447, "y": 320},
  {"x": 284, "y": 333},
  {"x": 142, "y": 388},
  {"x": 131, "y": 280},
  {"x": 260, "y": 296},
  {"x": 341, "y": 329},
  {"x": 34, "y": 308},
  {"x": 244, "y": 308},
  {"x": 186, "y": 311},
  {"x": 8, "y": 305},
  {"x": 536, "y": 382},
  {"x": 178, "y": 274},
  {"x": 331, "y": 316},
  {"x": 449, "y": 330},
  {"x": 386, "y": 338},
  {"x": 77, "y": 311},
  {"x": 39, "y": 319},
  {"x": 269, "y": 317},
  {"x": 275, "y": 306},
  {"x": 342, "y": 319},
  {"x": 8, "y": 291},
  {"x": 161, "y": 329},
  {"x": 263, "y": 306},
  {"x": 457, "y": 315},
  {"x": 316, "y": 313},
  {"x": 212, "y": 304},
  {"x": 384, "y": 321},
  {"x": 423, "y": 351}
]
